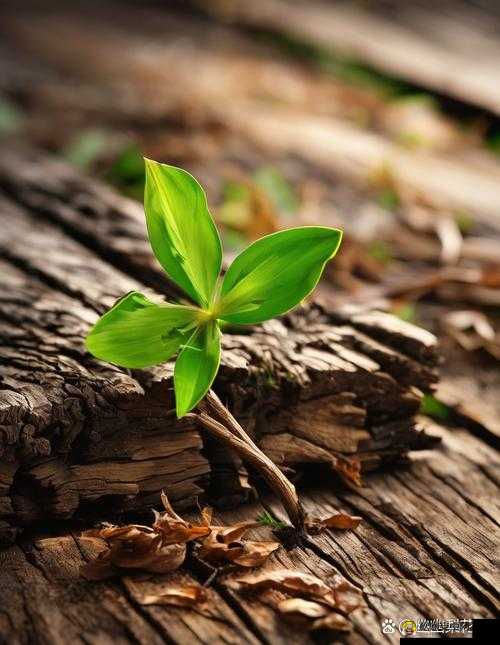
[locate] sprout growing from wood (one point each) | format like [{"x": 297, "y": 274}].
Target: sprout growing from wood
[{"x": 270, "y": 277}]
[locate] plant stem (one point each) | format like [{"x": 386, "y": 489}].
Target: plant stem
[{"x": 216, "y": 418}]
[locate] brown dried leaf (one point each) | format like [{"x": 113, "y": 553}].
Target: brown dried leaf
[
  {"x": 232, "y": 533},
  {"x": 323, "y": 599},
  {"x": 334, "y": 622},
  {"x": 159, "y": 559},
  {"x": 132, "y": 547},
  {"x": 174, "y": 529},
  {"x": 338, "y": 520},
  {"x": 255, "y": 553},
  {"x": 157, "y": 549},
  {"x": 249, "y": 553},
  {"x": 285, "y": 580},
  {"x": 299, "y": 606},
  {"x": 177, "y": 595},
  {"x": 215, "y": 552},
  {"x": 348, "y": 469}
]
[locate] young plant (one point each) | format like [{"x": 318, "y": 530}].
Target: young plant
[{"x": 270, "y": 277}]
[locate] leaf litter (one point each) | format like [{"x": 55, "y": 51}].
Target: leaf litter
[{"x": 148, "y": 551}]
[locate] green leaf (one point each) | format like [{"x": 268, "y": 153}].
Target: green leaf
[
  {"x": 137, "y": 333},
  {"x": 196, "y": 367},
  {"x": 181, "y": 230},
  {"x": 275, "y": 273}
]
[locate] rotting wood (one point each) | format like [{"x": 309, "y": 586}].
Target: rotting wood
[{"x": 79, "y": 431}]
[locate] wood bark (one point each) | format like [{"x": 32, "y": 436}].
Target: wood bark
[{"x": 80, "y": 437}]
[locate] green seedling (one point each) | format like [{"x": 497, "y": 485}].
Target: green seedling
[
  {"x": 268, "y": 278},
  {"x": 266, "y": 519}
]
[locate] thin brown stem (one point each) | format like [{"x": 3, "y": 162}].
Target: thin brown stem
[{"x": 216, "y": 418}]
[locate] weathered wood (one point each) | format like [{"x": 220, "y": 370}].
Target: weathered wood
[
  {"x": 279, "y": 121},
  {"x": 425, "y": 550},
  {"x": 60, "y": 606},
  {"x": 422, "y": 43},
  {"x": 80, "y": 431}
]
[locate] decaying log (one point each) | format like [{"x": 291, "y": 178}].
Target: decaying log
[{"x": 79, "y": 435}]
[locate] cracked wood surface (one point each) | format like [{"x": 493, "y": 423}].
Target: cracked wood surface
[
  {"x": 427, "y": 546},
  {"x": 436, "y": 559},
  {"x": 78, "y": 434}
]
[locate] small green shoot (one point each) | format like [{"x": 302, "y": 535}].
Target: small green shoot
[
  {"x": 266, "y": 519},
  {"x": 432, "y": 407},
  {"x": 267, "y": 279}
]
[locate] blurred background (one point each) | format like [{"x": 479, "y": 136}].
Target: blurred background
[{"x": 381, "y": 118}]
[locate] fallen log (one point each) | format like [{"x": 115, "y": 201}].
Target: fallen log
[
  {"x": 140, "y": 72},
  {"x": 395, "y": 38},
  {"x": 79, "y": 438}
]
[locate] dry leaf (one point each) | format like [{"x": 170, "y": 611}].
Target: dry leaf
[
  {"x": 291, "y": 582},
  {"x": 333, "y": 621},
  {"x": 312, "y": 600},
  {"x": 132, "y": 547},
  {"x": 157, "y": 549},
  {"x": 217, "y": 549},
  {"x": 348, "y": 469},
  {"x": 162, "y": 547},
  {"x": 223, "y": 544},
  {"x": 302, "y": 607},
  {"x": 174, "y": 529},
  {"x": 179, "y": 596},
  {"x": 255, "y": 553},
  {"x": 338, "y": 520}
]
